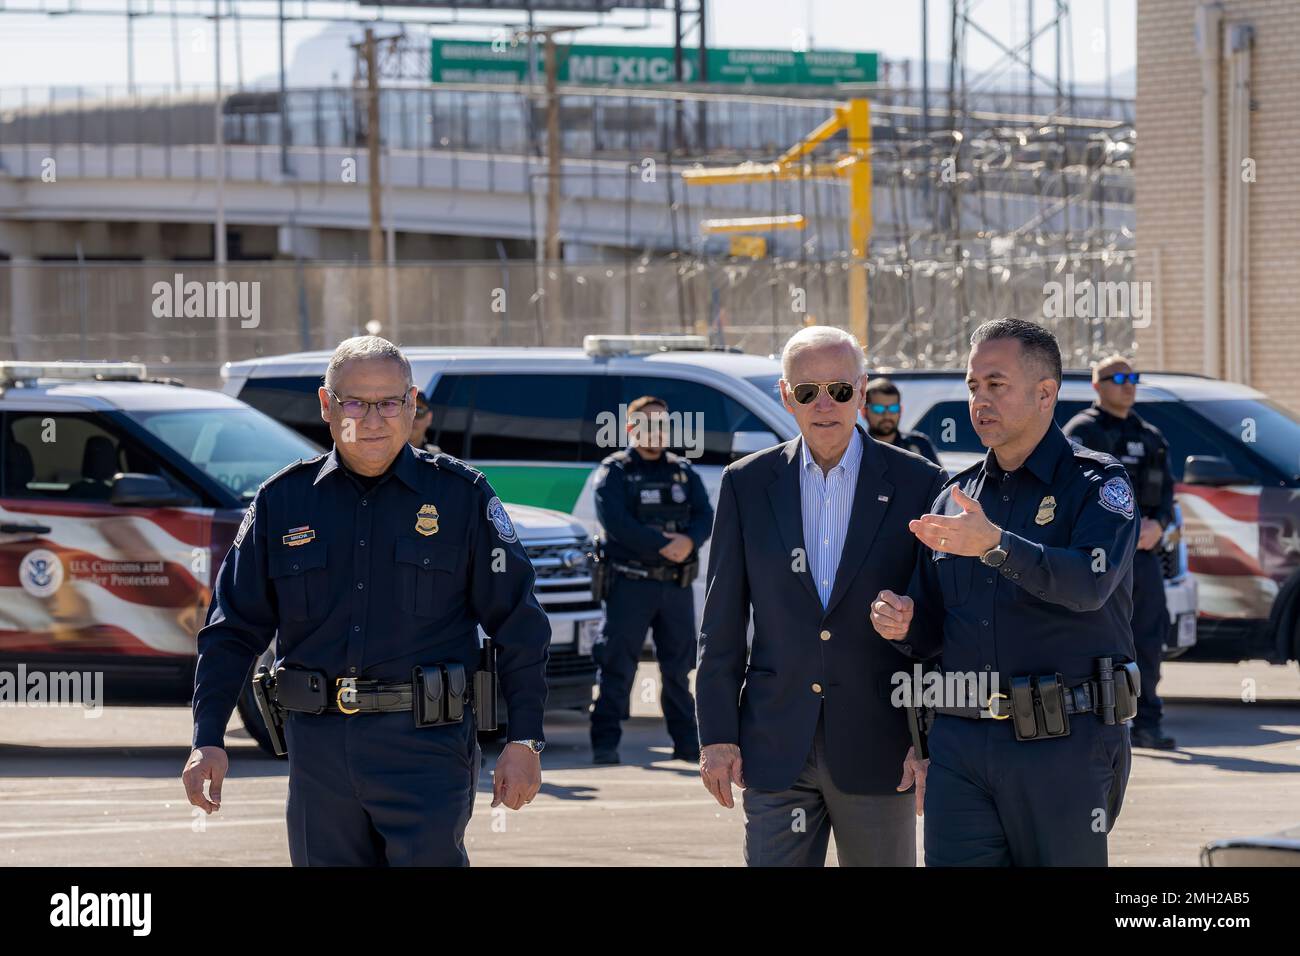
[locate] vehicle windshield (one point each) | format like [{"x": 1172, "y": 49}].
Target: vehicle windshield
[
  {"x": 239, "y": 447},
  {"x": 768, "y": 385},
  {"x": 1265, "y": 427}
]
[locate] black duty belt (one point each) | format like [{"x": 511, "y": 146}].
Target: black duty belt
[
  {"x": 1081, "y": 699},
  {"x": 664, "y": 573},
  {"x": 436, "y": 694}
]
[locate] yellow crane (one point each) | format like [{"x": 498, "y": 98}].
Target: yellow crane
[{"x": 854, "y": 167}]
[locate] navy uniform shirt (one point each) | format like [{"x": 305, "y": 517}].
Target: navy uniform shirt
[
  {"x": 1064, "y": 594},
  {"x": 918, "y": 444},
  {"x": 368, "y": 582},
  {"x": 619, "y": 486},
  {"x": 1132, "y": 440}
]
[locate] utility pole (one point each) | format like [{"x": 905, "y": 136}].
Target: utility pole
[
  {"x": 378, "y": 285},
  {"x": 372, "y": 148},
  {"x": 219, "y": 234},
  {"x": 219, "y": 137},
  {"x": 549, "y": 253},
  {"x": 553, "y": 157}
]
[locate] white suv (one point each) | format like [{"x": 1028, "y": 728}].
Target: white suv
[{"x": 120, "y": 496}]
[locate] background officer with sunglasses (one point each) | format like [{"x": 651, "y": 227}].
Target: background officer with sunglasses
[
  {"x": 882, "y": 408},
  {"x": 1111, "y": 426},
  {"x": 373, "y": 567},
  {"x": 656, "y": 515}
]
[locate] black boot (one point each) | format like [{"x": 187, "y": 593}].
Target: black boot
[{"x": 1151, "y": 739}]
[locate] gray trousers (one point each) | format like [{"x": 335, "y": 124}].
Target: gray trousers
[{"x": 793, "y": 827}]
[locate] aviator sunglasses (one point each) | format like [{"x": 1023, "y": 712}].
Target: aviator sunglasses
[{"x": 806, "y": 393}]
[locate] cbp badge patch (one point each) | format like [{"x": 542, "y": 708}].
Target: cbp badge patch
[
  {"x": 1117, "y": 496},
  {"x": 496, "y": 513},
  {"x": 426, "y": 520},
  {"x": 245, "y": 524}
]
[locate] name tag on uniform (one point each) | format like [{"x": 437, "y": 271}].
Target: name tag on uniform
[
  {"x": 650, "y": 496},
  {"x": 298, "y": 536}
]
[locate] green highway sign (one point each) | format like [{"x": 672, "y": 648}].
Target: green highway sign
[{"x": 500, "y": 61}]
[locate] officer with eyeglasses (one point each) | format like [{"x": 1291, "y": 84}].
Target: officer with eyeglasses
[
  {"x": 373, "y": 568},
  {"x": 882, "y": 408},
  {"x": 1110, "y": 425}
]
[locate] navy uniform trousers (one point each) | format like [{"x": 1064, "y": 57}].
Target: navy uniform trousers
[
  {"x": 992, "y": 800},
  {"x": 631, "y": 608},
  {"x": 375, "y": 790},
  {"x": 1150, "y": 628}
]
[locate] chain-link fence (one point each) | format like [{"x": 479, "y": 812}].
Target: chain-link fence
[{"x": 185, "y": 319}]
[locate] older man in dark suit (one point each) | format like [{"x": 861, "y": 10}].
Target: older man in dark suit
[{"x": 805, "y": 536}]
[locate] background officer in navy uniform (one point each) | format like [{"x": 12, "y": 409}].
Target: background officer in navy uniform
[
  {"x": 1026, "y": 570},
  {"x": 656, "y": 515},
  {"x": 364, "y": 564},
  {"x": 420, "y": 425},
  {"x": 1112, "y": 426},
  {"x": 882, "y": 408}
]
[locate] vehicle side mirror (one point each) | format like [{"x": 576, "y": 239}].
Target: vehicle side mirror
[
  {"x": 133, "y": 490},
  {"x": 1212, "y": 470},
  {"x": 746, "y": 443}
]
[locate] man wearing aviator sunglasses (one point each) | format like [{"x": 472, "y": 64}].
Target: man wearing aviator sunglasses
[
  {"x": 882, "y": 409},
  {"x": 1112, "y": 426},
  {"x": 804, "y": 534}
]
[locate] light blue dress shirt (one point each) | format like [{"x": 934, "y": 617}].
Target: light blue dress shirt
[{"x": 827, "y": 502}]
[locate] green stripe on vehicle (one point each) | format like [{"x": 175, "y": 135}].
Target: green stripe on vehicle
[{"x": 549, "y": 486}]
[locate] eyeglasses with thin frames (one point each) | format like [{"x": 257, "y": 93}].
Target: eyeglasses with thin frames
[{"x": 356, "y": 408}]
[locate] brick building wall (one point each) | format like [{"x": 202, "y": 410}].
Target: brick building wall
[{"x": 1170, "y": 192}]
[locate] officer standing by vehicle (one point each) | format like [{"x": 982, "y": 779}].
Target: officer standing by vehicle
[
  {"x": 882, "y": 408},
  {"x": 1112, "y": 426},
  {"x": 420, "y": 426},
  {"x": 373, "y": 567},
  {"x": 1023, "y": 584},
  {"x": 656, "y": 515}
]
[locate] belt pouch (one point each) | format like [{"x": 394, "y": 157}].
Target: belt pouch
[
  {"x": 455, "y": 693},
  {"x": 1128, "y": 688},
  {"x": 1051, "y": 694},
  {"x": 302, "y": 690},
  {"x": 427, "y": 691},
  {"x": 1022, "y": 708}
]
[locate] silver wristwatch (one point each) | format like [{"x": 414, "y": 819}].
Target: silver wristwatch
[{"x": 536, "y": 746}]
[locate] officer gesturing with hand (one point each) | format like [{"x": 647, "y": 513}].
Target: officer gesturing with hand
[{"x": 1023, "y": 584}]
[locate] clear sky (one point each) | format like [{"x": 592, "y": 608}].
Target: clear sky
[{"x": 40, "y": 51}]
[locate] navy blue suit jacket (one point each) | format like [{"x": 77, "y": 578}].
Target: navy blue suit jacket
[{"x": 763, "y": 699}]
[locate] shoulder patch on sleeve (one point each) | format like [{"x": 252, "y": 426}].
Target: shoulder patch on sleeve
[
  {"x": 246, "y": 523},
  {"x": 1100, "y": 457},
  {"x": 1116, "y": 495},
  {"x": 496, "y": 513},
  {"x": 293, "y": 466},
  {"x": 457, "y": 467}
]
